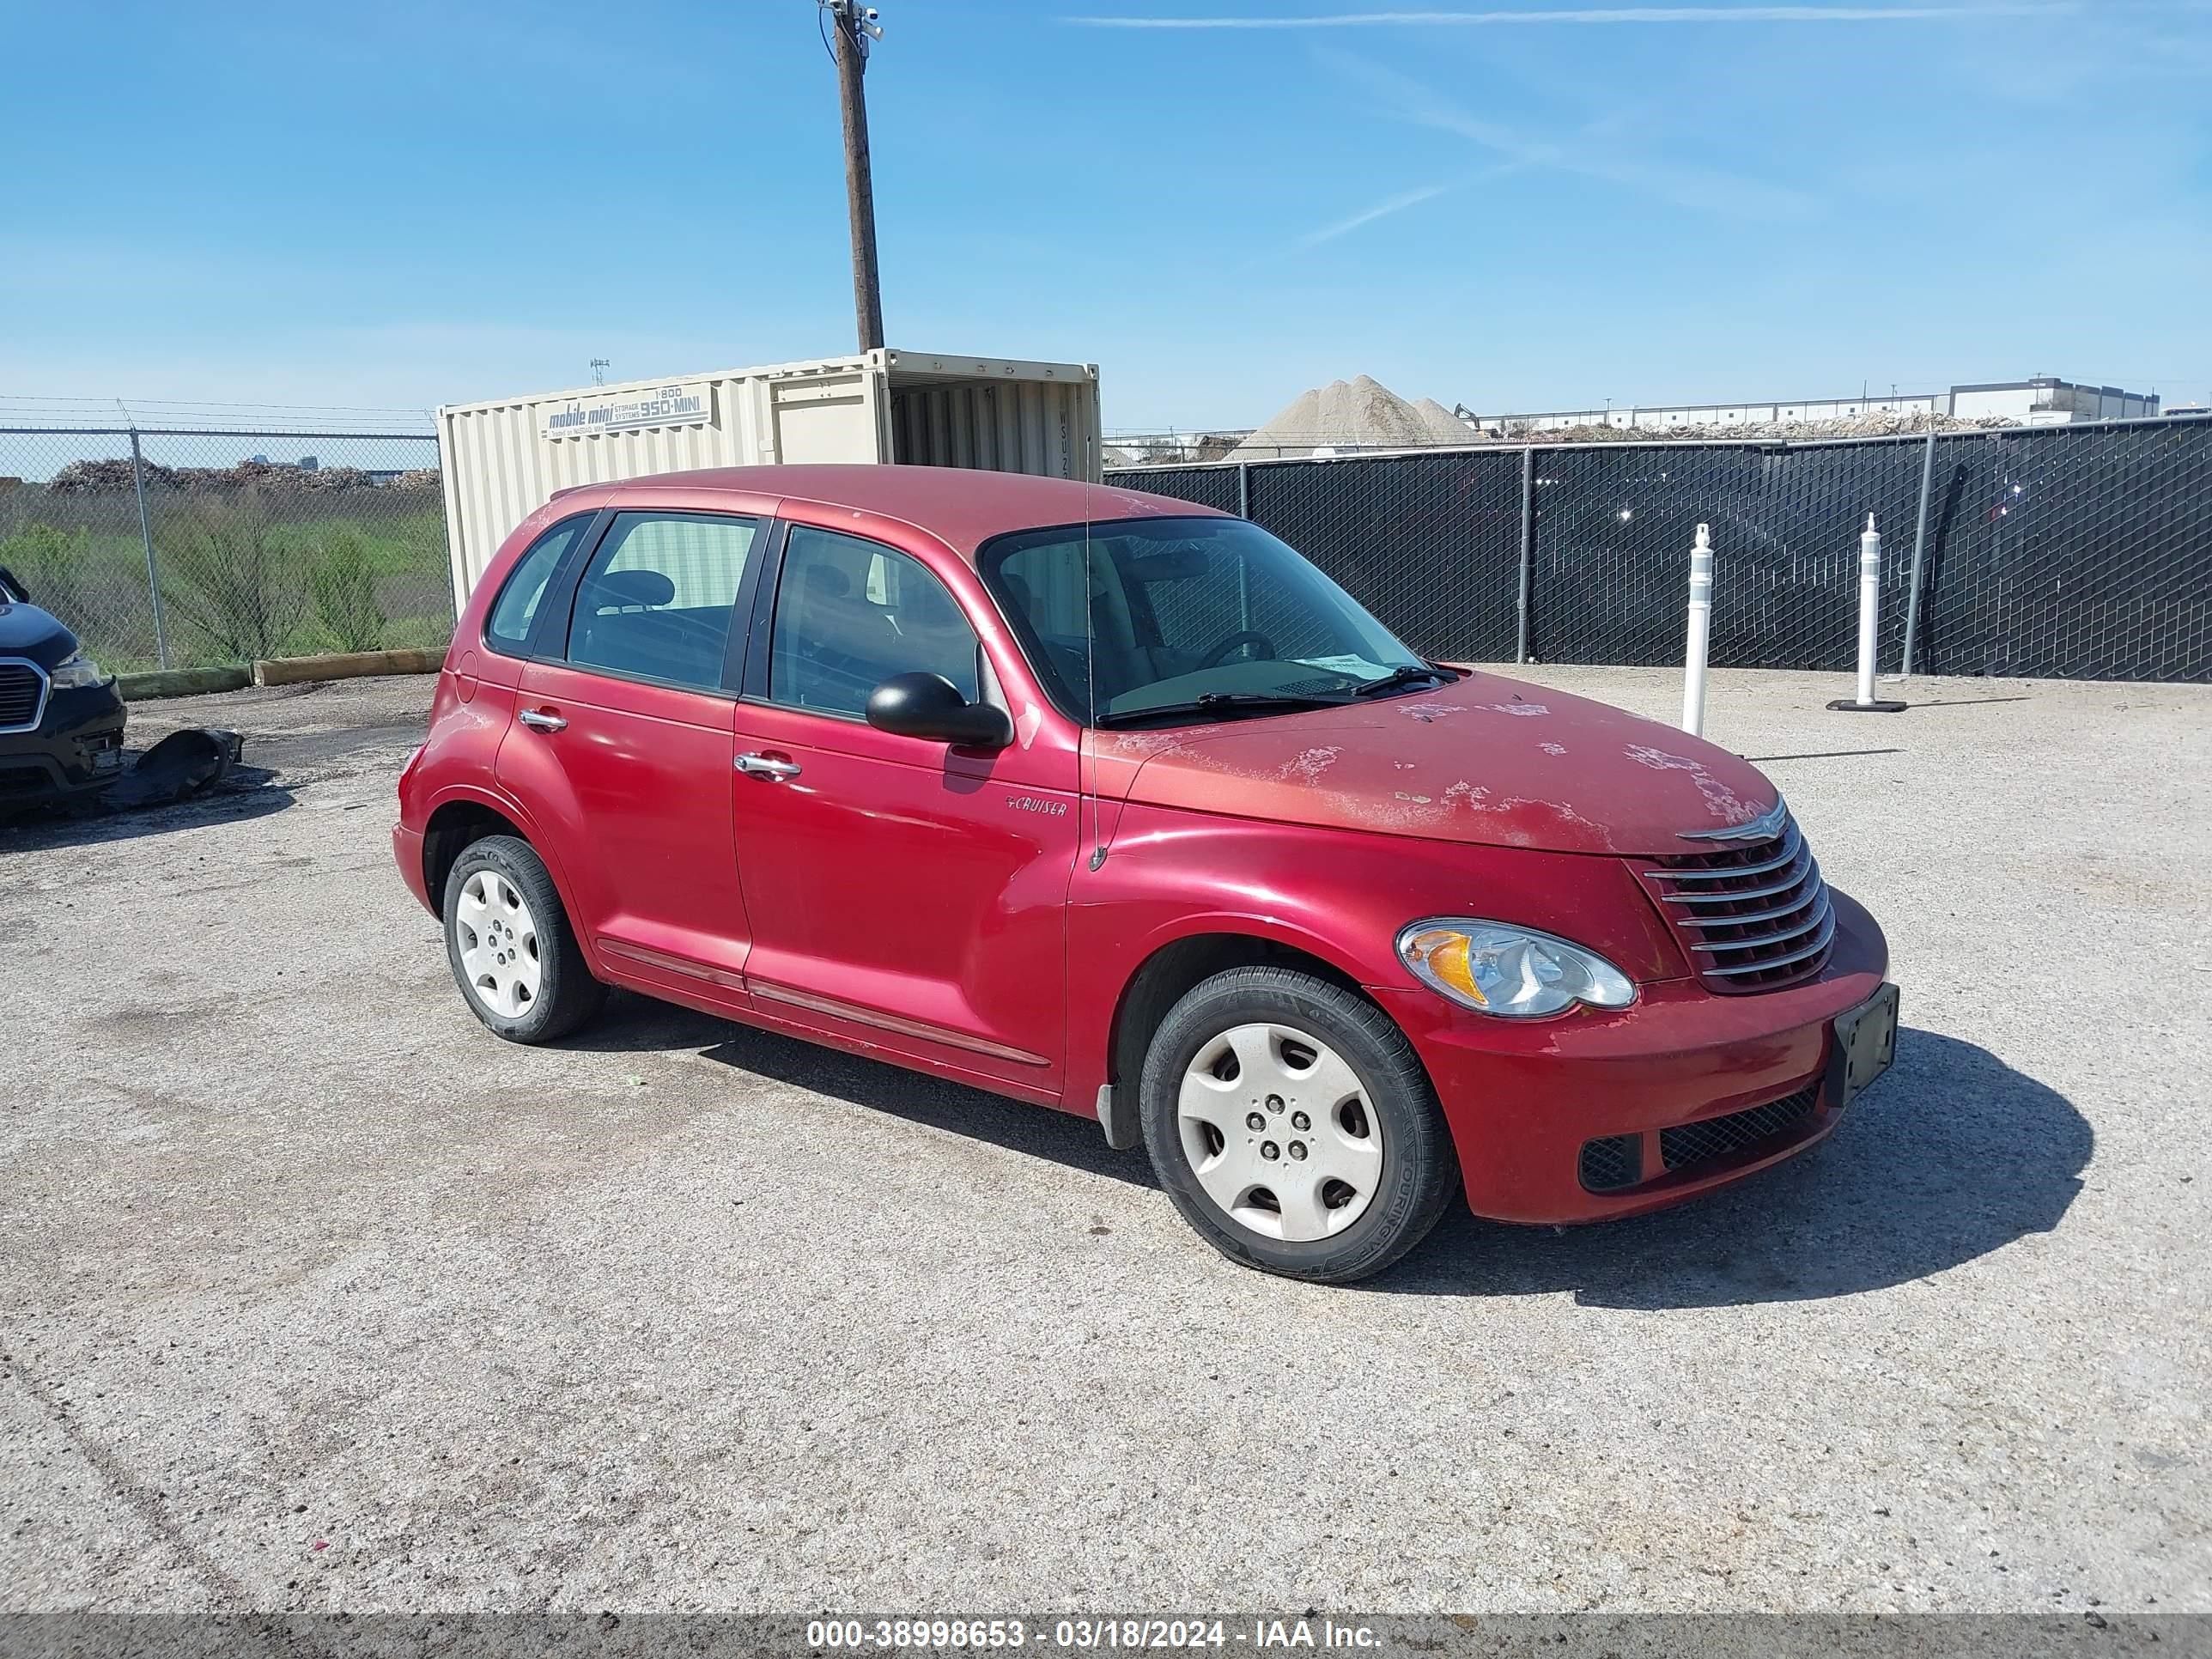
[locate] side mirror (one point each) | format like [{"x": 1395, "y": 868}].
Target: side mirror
[
  {"x": 925, "y": 705},
  {"x": 11, "y": 587}
]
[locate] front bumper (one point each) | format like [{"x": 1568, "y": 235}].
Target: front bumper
[
  {"x": 1523, "y": 1097},
  {"x": 77, "y": 747}
]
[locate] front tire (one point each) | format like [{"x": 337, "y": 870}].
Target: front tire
[
  {"x": 1294, "y": 1126},
  {"x": 510, "y": 945}
]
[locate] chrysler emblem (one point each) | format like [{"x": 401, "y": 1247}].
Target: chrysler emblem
[{"x": 1765, "y": 827}]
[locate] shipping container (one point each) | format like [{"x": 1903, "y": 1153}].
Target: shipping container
[{"x": 503, "y": 459}]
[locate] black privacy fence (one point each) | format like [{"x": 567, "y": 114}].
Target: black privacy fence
[{"x": 2079, "y": 552}]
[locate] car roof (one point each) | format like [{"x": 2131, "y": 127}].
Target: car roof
[{"x": 961, "y": 506}]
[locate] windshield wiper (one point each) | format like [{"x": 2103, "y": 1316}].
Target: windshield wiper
[
  {"x": 1217, "y": 702},
  {"x": 1408, "y": 674}
]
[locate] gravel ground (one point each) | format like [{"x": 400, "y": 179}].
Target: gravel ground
[{"x": 317, "y": 1297}]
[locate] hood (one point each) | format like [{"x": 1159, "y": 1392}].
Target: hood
[
  {"x": 1486, "y": 760},
  {"x": 28, "y": 631}
]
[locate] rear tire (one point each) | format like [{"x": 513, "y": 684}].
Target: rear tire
[
  {"x": 511, "y": 948},
  {"x": 1294, "y": 1126}
]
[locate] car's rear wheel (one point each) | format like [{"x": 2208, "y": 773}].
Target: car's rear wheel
[
  {"x": 1294, "y": 1126},
  {"x": 513, "y": 952}
]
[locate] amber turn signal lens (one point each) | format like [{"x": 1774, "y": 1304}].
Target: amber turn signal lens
[{"x": 1443, "y": 953}]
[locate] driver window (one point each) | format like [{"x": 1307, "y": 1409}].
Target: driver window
[{"x": 849, "y": 614}]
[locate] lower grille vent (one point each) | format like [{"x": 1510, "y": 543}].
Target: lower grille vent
[
  {"x": 1717, "y": 1137},
  {"x": 1610, "y": 1163}
]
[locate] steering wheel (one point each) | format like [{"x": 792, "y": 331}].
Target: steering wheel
[{"x": 1219, "y": 655}]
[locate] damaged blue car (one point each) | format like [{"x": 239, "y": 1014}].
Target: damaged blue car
[{"x": 61, "y": 720}]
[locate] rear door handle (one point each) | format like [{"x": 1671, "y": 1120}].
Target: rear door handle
[
  {"x": 767, "y": 766},
  {"x": 540, "y": 720}
]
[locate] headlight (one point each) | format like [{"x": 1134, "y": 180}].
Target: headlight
[
  {"x": 78, "y": 670},
  {"x": 1516, "y": 972}
]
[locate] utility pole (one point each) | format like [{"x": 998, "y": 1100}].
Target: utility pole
[{"x": 856, "y": 31}]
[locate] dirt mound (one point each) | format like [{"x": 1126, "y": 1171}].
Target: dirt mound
[
  {"x": 1351, "y": 415},
  {"x": 1445, "y": 427}
]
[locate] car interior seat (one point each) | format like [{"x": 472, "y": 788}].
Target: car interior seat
[{"x": 623, "y": 621}]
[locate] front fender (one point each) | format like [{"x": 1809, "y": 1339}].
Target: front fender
[{"x": 1339, "y": 896}]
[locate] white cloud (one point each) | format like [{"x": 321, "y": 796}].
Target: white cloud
[{"x": 1700, "y": 189}]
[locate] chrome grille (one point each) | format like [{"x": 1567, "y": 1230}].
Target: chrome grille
[
  {"x": 1751, "y": 917},
  {"x": 22, "y": 693}
]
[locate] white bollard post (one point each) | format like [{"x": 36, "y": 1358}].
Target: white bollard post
[
  {"x": 1701, "y": 621},
  {"x": 1870, "y": 625},
  {"x": 1869, "y": 606}
]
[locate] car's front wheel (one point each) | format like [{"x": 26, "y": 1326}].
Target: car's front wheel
[
  {"x": 513, "y": 952},
  {"x": 1294, "y": 1126}
]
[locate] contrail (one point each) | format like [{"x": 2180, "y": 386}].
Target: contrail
[
  {"x": 1587, "y": 14},
  {"x": 1381, "y": 210}
]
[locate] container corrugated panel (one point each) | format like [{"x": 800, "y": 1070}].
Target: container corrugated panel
[
  {"x": 502, "y": 461},
  {"x": 1016, "y": 426}
]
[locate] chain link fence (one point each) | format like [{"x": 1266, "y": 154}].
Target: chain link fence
[
  {"x": 2079, "y": 552},
  {"x": 165, "y": 548}
]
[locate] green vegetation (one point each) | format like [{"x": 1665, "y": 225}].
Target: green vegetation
[
  {"x": 245, "y": 572},
  {"x": 235, "y": 593},
  {"x": 343, "y": 583},
  {"x": 50, "y": 562}
]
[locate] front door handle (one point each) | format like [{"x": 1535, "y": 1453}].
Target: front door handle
[
  {"x": 540, "y": 720},
  {"x": 767, "y": 766}
]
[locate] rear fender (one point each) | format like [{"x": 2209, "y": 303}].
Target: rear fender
[{"x": 508, "y": 807}]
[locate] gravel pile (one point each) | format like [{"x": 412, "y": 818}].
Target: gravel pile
[
  {"x": 1353, "y": 415},
  {"x": 1445, "y": 427}
]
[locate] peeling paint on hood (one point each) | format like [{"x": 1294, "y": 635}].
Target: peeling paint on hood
[{"x": 1470, "y": 762}]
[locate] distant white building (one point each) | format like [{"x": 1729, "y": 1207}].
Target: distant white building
[{"x": 2038, "y": 401}]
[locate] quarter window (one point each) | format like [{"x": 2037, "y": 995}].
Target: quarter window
[
  {"x": 655, "y": 600},
  {"x": 849, "y": 614},
  {"x": 516, "y": 608}
]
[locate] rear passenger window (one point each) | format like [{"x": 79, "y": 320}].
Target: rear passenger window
[
  {"x": 516, "y": 608},
  {"x": 849, "y": 614},
  {"x": 655, "y": 600}
]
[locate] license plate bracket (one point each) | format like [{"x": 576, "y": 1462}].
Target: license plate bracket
[{"x": 1865, "y": 1044}]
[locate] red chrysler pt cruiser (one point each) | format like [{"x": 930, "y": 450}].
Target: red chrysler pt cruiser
[{"x": 1117, "y": 805}]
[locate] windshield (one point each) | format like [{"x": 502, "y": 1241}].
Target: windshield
[{"x": 1199, "y": 618}]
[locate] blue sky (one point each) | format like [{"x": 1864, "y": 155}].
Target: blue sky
[{"x": 1532, "y": 204}]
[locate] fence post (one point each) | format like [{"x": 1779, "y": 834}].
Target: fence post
[
  {"x": 1243, "y": 489},
  {"x": 1528, "y": 544},
  {"x": 146, "y": 535},
  {"x": 1697, "y": 645},
  {"x": 1919, "y": 553}
]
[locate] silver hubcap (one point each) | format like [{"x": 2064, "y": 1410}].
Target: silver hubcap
[
  {"x": 498, "y": 938},
  {"x": 1279, "y": 1133}
]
